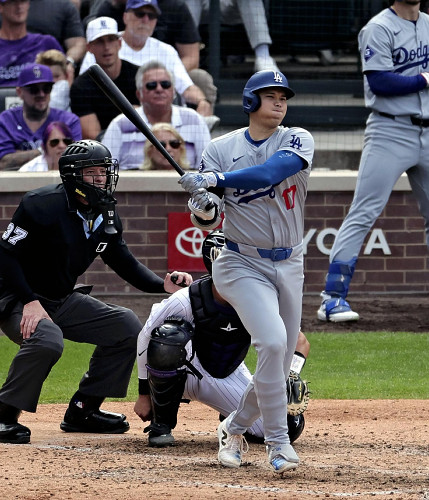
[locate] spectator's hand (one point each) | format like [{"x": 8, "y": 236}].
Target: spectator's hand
[
  {"x": 204, "y": 108},
  {"x": 176, "y": 280},
  {"x": 143, "y": 407},
  {"x": 192, "y": 181},
  {"x": 32, "y": 313}
]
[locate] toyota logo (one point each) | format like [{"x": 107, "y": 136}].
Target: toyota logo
[{"x": 189, "y": 242}]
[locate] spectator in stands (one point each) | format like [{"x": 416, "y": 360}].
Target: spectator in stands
[
  {"x": 90, "y": 103},
  {"x": 139, "y": 47},
  {"x": 57, "y": 61},
  {"x": 56, "y": 137},
  {"x": 18, "y": 48},
  {"x": 252, "y": 15},
  {"x": 172, "y": 141},
  {"x": 155, "y": 89},
  {"x": 175, "y": 26},
  {"x": 61, "y": 19},
  {"x": 22, "y": 127}
]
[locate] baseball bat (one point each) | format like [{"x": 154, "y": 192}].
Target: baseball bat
[{"x": 108, "y": 86}]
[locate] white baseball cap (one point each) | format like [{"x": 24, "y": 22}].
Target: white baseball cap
[{"x": 101, "y": 26}]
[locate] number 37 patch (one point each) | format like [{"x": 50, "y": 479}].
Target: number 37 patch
[{"x": 14, "y": 233}]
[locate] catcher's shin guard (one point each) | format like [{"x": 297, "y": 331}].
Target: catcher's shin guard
[
  {"x": 166, "y": 361},
  {"x": 166, "y": 391}
]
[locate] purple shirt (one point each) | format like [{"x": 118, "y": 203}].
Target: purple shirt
[
  {"x": 16, "y": 54},
  {"x": 16, "y": 136}
]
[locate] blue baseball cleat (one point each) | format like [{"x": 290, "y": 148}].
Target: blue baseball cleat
[{"x": 335, "y": 309}]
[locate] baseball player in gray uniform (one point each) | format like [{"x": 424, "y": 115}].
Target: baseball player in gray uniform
[
  {"x": 259, "y": 175},
  {"x": 198, "y": 325},
  {"x": 394, "y": 50}
]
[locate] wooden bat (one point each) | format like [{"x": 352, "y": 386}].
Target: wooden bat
[{"x": 107, "y": 85}]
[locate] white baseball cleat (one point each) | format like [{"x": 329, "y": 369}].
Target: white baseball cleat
[
  {"x": 231, "y": 446},
  {"x": 282, "y": 457},
  {"x": 335, "y": 309}
]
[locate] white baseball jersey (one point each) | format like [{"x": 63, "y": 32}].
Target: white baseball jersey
[
  {"x": 390, "y": 43},
  {"x": 274, "y": 215},
  {"x": 221, "y": 394}
]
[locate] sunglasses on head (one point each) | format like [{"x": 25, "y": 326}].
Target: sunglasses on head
[
  {"x": 165, "y": 84},
  {"x": 66, "y": 140},
  {"x": 174, "y": 143},
  {"x": 35, "y": 88},
  {"x": 142, "y": 13}
]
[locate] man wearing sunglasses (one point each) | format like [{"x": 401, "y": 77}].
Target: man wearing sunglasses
[
  {"x": 139, "y": 47},
  {"x": 155, "y": 90},
  {"x": 22, "y": 127}
]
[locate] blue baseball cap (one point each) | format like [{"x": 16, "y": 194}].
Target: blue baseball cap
[
  {"x": 136, "y": 4},
  {"x": 35, "y": 73}
]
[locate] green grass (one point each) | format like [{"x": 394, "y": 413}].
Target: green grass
[{"x": 340, "y": 366}]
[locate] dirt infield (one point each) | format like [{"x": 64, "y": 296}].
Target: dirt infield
[
  {"x": 349, "y": 449},
  {"x": 352, "y": 449}
]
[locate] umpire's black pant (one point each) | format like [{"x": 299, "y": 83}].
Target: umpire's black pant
[{"x": 80, "y": 318}]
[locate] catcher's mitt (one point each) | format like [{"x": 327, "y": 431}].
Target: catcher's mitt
[{"x": 298, "y": 394}]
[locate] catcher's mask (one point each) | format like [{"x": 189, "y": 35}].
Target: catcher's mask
[
  {"x": 80, "y": 155},
  {"x": 212, "y": 247}
]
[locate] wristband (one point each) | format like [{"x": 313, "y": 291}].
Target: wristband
[
  {"x": 71, "y": 61},
  {"x": 143, "y": 387}
]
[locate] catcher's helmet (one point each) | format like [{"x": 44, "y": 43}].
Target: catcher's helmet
[
  {"x": 212, "y": 246},
  {"x": 82, "y": 154},
  {"x": 262, "y": 80}
]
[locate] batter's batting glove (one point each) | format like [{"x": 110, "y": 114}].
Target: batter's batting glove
[
  {"x": 201, "y": 204},
  {"x": 191, "y": 181}
]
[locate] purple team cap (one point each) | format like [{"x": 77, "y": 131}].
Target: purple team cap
[
  {"x": 34, "y": 73},
  {"x": 136, "y": 4}
]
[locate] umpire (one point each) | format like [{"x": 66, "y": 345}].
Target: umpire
[{"x": 55, "y": 234}]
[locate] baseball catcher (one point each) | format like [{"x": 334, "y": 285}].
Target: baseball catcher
[{"x": 193, "y": 347}]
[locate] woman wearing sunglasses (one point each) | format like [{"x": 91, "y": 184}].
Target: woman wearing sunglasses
[
  {"x": 56, "y": 137},
  {"x": 172, "y": 142}
]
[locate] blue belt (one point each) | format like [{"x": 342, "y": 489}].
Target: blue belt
[{"x": 275, "y": 254}]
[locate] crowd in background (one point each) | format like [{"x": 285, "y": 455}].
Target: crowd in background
[{"x": 149, "y": 48}]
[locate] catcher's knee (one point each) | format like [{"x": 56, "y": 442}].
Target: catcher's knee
[
  {"x": 296, "y": 424},
  {"x": 166, "y": 357}
]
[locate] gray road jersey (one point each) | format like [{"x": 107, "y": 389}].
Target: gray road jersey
[
  {"x": 271, "y": 216},
  {"x": 390, "y": 43}
]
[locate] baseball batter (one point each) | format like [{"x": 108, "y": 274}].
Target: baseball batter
[
  {"x": 196, "y": 323},
  {"x": 261, "y": 174},
  {"x": 394, "y": 49}
]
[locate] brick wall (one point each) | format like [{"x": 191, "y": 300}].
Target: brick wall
[{"x": 144, "y": 202}]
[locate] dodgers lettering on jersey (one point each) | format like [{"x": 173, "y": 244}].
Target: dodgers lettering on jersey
[
  {"x": 274, "y": 214},
  {"x": 390, "y": 43}
]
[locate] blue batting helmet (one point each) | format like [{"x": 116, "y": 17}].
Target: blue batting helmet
[{"x": 263, "y": 80}]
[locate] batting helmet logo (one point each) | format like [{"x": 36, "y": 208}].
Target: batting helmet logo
[{"x": 262, "y": 80}]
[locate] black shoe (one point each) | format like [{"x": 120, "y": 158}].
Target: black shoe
[
  {"x": 96, "y": 421},
  {"x": 14, "y": 433},
  {"x": 159, "y": 435}
]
